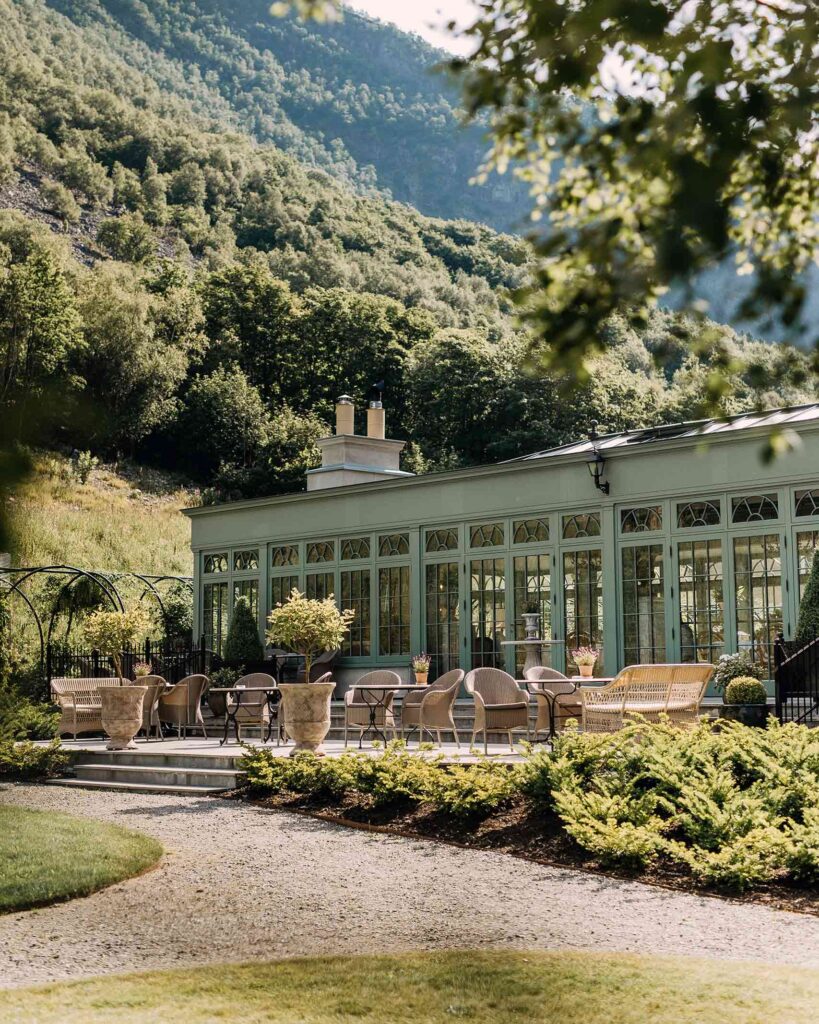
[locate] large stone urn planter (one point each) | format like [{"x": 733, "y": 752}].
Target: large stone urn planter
[
  {"x": 307, "y": 714},
  {"x": 122, "y": 714}
]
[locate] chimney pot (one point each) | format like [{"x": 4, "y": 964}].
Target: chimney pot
[
  {"x": 376, "y": 426},
  {"x": 345, "y": 415}
]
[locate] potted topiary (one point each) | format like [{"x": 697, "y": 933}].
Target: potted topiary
[
  {"x": 746, "y": 701},
  {"x": 111, "y": 633},
  {"x": 242, "y": 643},
  {"x": 308, "y": 627},
  {"x": 222, "y": 679}
]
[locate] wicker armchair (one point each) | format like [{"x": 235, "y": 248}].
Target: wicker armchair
[
  {"x": 358, "y": 703},
  {"x": 647, "y": 690},
  {"x": 556, "y": 695},
  {"x": 150, "y": 704},
  {"x": 181, "y": 705},
  {"x": 430, "y": 709},
  {"x": 80, "y": 704},
  {"x": 500, "y": 704}
]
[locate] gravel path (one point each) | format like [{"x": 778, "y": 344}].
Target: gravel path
[{"x": 239, "y": 883}]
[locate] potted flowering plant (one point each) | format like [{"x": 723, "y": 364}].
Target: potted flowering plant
[
  {"x": 585, "y": 658},
  {"x": 420, "y": 666},
  {"x": 142, "y": 669}
]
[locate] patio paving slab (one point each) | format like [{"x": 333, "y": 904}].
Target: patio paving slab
[{"x": 242, "y": 883}]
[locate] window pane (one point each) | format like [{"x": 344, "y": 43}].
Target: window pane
[
  {"x": 321, "y": 551},
  {"x": 487, "y": 535},
  {"x": 441, "y": 540},
  {"x": 393, "y": 544},
  {"x": 319, "y": 585},
  {"x": 702, "y": 610},
  {"x": 216, "y": 563},
  {"x": 245, "y": 561},
  {"x": 806, "y": 503},
  {"x": 355, "y": 547},
  {"x": 641, "y": 520},
  {"x": 533, "y": 589},
  {"x": 758, "y": 583},
  {"x": 806, "y": 547},
  {"x": 394, "y": 609},
  {"x": 442, "y": 611},
  {"x": 754, "y": 508},
  {"x": 488, "y": 603},
  {"x": 530, "y": 531},
  {"x": 215, "y": 615},
  {"x": 583, "y": 600},
  {"x": 281, "y": 587},
  {"x": 250, "y": 590},
  {"x": 287, "y": 554},
  {"x": 581, "y": 525},
  {"x": 643, "y": 605},
  {"x": 355, "y": 594},
  {"x": 698, "y": 513}
]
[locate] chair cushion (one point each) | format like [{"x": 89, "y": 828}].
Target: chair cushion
[{"x": 507, "y": 707}]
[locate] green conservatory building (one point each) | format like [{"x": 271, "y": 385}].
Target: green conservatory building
[{"x": 675, "y": 543}]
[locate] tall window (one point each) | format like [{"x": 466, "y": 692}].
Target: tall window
[
  {"x": 442, "y": 610},
  {"x": 583, "y": 598},
  {"x": 758, "y": 585},
  {"x": 281, "y": 587},
  {"x": 248, "y": 589},
  {"x": 355, "y": 594},
  {"x": 319, "y": 585},
  {"x": 488, "y": 603},
  {"x": 702, "y": 607},
  {"x": 806, "y": 544},
  {"x": 394, "y": 609},
  {"x": 643, "y": 605},
  {"x": 215, "y": 614},
  {"x": 533, "y": 592}
]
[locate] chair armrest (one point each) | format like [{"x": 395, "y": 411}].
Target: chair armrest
[
  {"x": 348, "y": 696},
  {"x": 432, "y": 697},
  {"x": 65, "y": 700}
]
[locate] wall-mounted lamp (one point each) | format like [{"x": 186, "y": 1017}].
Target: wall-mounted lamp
[{"x": 596, "y": 462}]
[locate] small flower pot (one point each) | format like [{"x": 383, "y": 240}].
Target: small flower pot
[
  {"x": 421, "y": 678},
  {"x": 587, "y": 671},
  {"x": 755, "y": 715}
]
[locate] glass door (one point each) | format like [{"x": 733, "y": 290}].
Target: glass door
[
  {"x": 442, "y": 618},
  {"x": 643, "y": 604},
  {"x": 701, "y": 578},
  {"x": 487, "y": 593},
  {"x": 758, "y": 596},
  {"x": 583, "y": 601}
]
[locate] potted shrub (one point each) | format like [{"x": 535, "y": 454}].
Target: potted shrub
[
  {"x": 420, "y": 666},
  {"x": 308, "y": 627},
  {"x": 242, "y": 644},
  {"x": 222, "y": 679},
  {"x": 585, "y": 658},
  {"x": 111, "y": 633},
  {"x": 745, "y": 700}
]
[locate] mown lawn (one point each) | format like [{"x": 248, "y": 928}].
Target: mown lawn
[
  {"x": 427, "y": 988},
  {"x": 46, "y": 856}
]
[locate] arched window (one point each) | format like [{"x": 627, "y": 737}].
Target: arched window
[
  {"x": 355, "y": 547},
  {"x": 487, "y": 535},
  {"x": 641, "y": 520},
  {"x": 584, "y": 524},
  {"x": 321, "y": 551},
  {"x": 287, "y": 554},
  {"x": 754, "y": 508},
  {"x": 393, "y": 544},
  {"x": 216, "y": 563},
  {"x": 698, "y": 513},
  {"x": 806, "y": 503},
  {"x": 441, "y": 540},
  {"x": 529, "y": 531},
  {"x": 245, "y": 561}
]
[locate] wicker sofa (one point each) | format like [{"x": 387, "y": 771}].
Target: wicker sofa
[
  {"x": 80, "y": 704},
  {"x": 649, "y": 691}
]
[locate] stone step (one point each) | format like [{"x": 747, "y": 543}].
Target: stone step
[
  {"x": 157, "y": 758},
  {"x": 153, "y": 775},
  {"x": 133, "y": 787}
]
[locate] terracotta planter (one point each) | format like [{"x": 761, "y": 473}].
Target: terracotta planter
[
  {"x": 421, "y": 678},
  {"x": 587, "y": 671},
  {"x": 122, "y": 714},
  {"x": 307, "y": 714}
]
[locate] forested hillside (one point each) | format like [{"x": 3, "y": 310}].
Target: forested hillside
[
  {"x": 174, "y": 290},
  {"x": 357, "y": 98}
]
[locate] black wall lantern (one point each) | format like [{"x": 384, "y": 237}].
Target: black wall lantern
[{"x": 596, "y": 462}]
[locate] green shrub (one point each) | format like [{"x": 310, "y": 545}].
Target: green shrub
[
  {"x": 23, "y": 719},
  {"x": 745, "y": 690},
  {"x": 807, "y": 627},
  {"x": 242, "y": 642},
  {"x": 473, "y": 790},
  {"x": 732, "y": 666},
  {"x": 27, "y": 761}
]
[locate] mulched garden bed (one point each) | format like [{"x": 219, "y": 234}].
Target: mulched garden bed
[{"x": 522, "y": 832}]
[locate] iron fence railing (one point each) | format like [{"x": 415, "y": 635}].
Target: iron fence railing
[{"x": 796, "y": 681}]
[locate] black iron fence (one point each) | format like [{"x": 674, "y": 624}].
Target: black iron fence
[{"x": 796, "y": 681}]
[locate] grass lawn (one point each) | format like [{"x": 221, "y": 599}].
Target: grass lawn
[
  {"x": 45, "y": 856},
  {"x": 426, "y": 988}
]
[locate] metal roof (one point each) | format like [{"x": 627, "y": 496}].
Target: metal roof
[{"x": 694, "y": 429}]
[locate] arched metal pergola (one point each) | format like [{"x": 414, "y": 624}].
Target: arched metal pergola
[{"x": 14, "y": 580}]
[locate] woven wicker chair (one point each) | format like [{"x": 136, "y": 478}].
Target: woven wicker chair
[
  {"x": 430, "y": 709},
  {"x": 181, "y": 706},
  {"x": 647, "y": 690},
  {"x": 562, "y": 696},
  {"x": 80, "y": 704},
  {"x": 500, "y": 704},
  {"x": 357, "y": 704},
  {"x": 150, "y": 704}
]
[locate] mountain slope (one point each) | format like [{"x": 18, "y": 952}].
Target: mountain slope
[{"x": 358, "y": 98}]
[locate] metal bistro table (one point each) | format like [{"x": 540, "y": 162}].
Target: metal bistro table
[
  {"x": 551, "y": 697},
  {"x": 381, "y": 702},
  {"x": 273, "y": 698}
]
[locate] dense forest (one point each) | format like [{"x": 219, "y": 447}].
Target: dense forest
[{"x": 175, "y": 290}]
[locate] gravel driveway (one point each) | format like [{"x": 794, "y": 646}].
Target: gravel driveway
[{"x": 239, "y": 883}]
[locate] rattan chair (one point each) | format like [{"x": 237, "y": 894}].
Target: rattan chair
[
  {"x": 150, "y": 704},
  {"x": 181, "y": 705},
  {"x": 79, "y": 703},
  {"x": 430, "y": 709},
  {"x": 647, "y": 690},
  {"x": 500, "y": 704},
  {"x": 555, "y": 694},
  {"x": 358, "y": 703}
]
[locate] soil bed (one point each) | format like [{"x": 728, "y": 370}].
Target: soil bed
[{"x": 521, "y": 831}]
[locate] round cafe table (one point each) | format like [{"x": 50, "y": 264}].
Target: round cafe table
[
  {"x": 379, "y": 692},
  {"x": 551, "y": 697}
]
